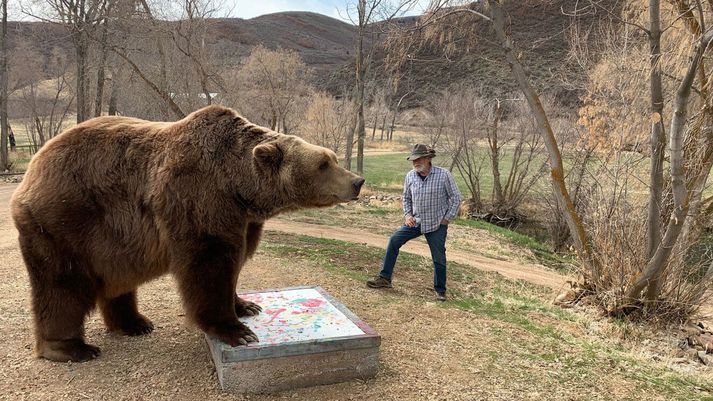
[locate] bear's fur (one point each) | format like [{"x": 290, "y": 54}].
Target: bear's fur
[{"x": 115, "y": 202}]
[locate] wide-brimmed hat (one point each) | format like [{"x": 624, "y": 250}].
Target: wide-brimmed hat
[{"x": 421, "y": 150}]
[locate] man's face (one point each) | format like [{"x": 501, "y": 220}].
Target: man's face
[{"x": 421, "y": 164}]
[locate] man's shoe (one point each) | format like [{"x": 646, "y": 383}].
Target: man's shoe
[
  {"x": 441, "y": 296},
  {"x": 378, "y": 282}
]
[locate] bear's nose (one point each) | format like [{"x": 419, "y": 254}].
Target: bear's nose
[{"x": 358, "y": 183}]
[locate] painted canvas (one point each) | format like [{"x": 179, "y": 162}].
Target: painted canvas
[{"x": 294, "y": 315}]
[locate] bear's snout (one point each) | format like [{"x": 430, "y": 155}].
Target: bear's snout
[{"x": 357, "y": 183}]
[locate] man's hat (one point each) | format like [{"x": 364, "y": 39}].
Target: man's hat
[{"x": 421, "y": 150}]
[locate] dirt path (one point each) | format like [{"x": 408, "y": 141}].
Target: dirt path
[{"x": 510, "y": 270}]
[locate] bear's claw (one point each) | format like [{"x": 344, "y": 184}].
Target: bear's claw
[
  {"x": 234, "y": 334},
  {"x": 246, "y": 308},
  {"x": 138, "y": 327}
]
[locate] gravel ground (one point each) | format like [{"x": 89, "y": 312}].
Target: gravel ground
[{"x": 428, "y": 352}]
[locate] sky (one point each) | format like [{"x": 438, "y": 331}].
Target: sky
[
  {"x": 333, "y": 8},
  {"x": 252, "y": 8}
]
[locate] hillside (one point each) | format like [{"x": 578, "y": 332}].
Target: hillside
[{"x": 539, "y": 27}]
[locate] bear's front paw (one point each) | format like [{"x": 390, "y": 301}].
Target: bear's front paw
[
  {"x": 234, "y": 334},
  {"x": 246, "y": 308}
]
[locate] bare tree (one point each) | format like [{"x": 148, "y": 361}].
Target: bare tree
[
  {"x": 81, "y": 18},
  {"x": 131, "y": 51},
  {"x": 269, "y": 86},
  {"x": 326, "y": 121},
  {"x": 366, "y": 13},
  {"x": 650, "y": 276},
  {"x": 658, "y": 138},
  {"x": 47, "y": 103},
  {"x": 574, "y": 221},
  {"x": 101, "y": 68},
  {"x": 189, "y": 38}
]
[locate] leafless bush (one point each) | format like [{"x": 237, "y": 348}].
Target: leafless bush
[
  {"x": 579, "y": 154},
  {"x": 47, "y": 103},
  {"x": 488, "y": 138},
  {"x": 271, "y": 88},
  {"x": 441, "y": 118},
  {"x": 326, "y": 121},
  {"x": 518, "y": 144},
  {"x": 462, "y": 136}
]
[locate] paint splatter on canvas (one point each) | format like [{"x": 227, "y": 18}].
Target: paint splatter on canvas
[{"x": 297, "y": 315}]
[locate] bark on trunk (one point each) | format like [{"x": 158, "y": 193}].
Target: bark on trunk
[
  {"x": 396, "y": 113},
  {"x": 495, "y": 159},
  {"x": 114, "y": 96},
  {"x": 81, "y": 51},
  {"x": 658, "y": 137},
  {"x": 163, "y": 74},
  {"x": 703, "y": 138},
  {"x": 350, "y": 144},
  {"x": 101, "y": 71},
  {"x": 360, "y": 133}
]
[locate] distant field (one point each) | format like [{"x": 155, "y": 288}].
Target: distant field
[{"x": 386, "y": 172}]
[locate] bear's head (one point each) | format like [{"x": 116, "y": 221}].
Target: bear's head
[{"x": 305, "y": 175}]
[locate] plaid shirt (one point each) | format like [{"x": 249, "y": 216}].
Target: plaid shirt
[{"x": 432, "y": 199}]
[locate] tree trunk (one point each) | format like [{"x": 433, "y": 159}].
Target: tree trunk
[
  {"x": 350, "y": 144},
  {"x": 557, "y": 171},
  {"x": 373, "y": 131},
  {"x": 495, "y": 159},
  {"x": 360, "y": 133},
  {"x": 101, "y": 71},
  {"x": 81, "y": 51},
  {"x": 649, "y": 278},
  {"x": 114, "y": 95},
  {"x": 4, "y": 160},
  {"x": 699, "y": 138},
  {"x": 658, "y": 137}
]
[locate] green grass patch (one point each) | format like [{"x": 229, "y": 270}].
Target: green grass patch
[
  {"x": 541, "y": 251},
  {"x": 386, "y": 173}
]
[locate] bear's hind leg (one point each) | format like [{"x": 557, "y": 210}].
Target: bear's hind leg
[
  {"x": 121, "y": 314},
  {"x": 63, "y": 294}
]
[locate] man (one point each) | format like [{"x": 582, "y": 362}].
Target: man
[
  {"x": 11, "y": 137},
  {"x": 431, "y": 200}
]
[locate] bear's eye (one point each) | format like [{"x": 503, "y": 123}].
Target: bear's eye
[{"x": 324, "y": 165}]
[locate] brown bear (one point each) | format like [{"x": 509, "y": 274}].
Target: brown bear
[{"x": 115, "y": 202}]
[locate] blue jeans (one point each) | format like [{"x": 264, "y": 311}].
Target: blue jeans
[{"x": 437, "y": 243}]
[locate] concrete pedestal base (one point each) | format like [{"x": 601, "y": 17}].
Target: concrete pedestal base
[{"x": 306, "y": 338}]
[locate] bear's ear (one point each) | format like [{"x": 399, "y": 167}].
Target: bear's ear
[{"x": 268, "y": 155}]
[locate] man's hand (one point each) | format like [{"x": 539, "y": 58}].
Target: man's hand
[
  {"x": 410, "y": 221},
  {"x": 444, "y": 222}
]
